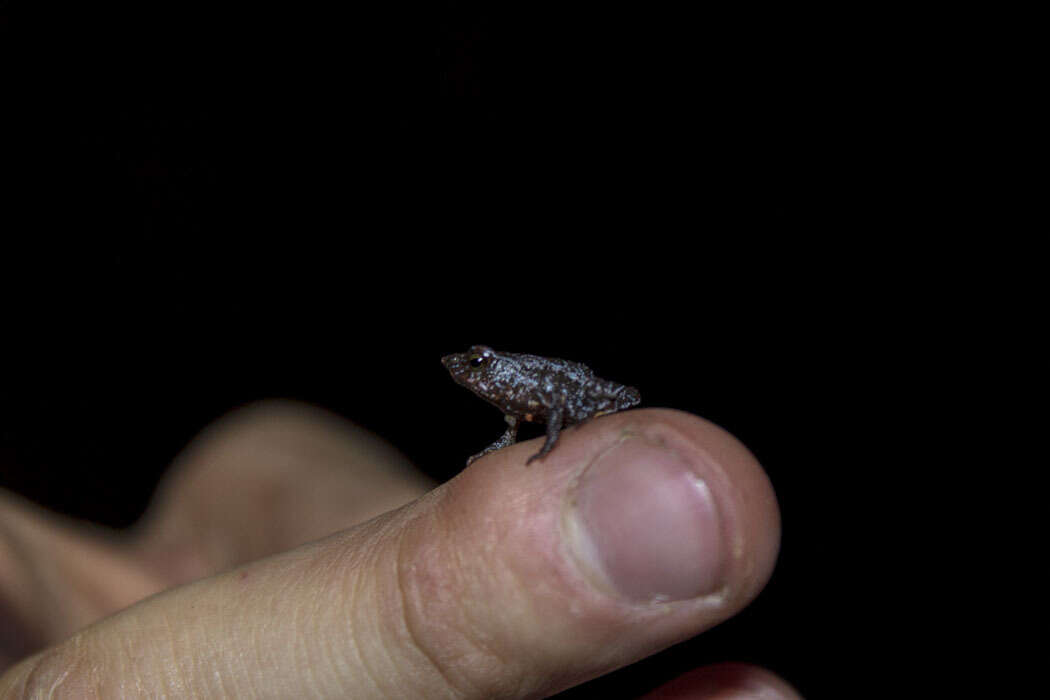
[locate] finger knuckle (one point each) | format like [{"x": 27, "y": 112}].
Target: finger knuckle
[{"x": 444, "y": 633}]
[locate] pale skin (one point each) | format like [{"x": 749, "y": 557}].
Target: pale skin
[{"x": 298, "y": 556}]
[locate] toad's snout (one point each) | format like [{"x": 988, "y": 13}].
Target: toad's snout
[{"x": 454, "y": 363}]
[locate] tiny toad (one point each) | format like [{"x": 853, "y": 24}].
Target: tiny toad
[{"x": 541, "y": 389}]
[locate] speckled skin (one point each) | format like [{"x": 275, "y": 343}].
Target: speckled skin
[{"x": 540, "y": 389}]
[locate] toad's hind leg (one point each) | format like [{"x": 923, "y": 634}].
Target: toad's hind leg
[
  {"x": 555, "y": 418},
  {"x": 509, "y": 438}
]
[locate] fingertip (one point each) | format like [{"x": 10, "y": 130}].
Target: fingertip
[
  {"x": 648, "y": 526},
  {"x": 669, "y": 506},
  {"x": 726, "y": 681},
  {"x": 740, "y": 486}
]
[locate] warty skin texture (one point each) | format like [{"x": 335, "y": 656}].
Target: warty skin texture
[{"x": 536, "y": 389}]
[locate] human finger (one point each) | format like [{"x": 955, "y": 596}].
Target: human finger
[
  {"x": 641, "y": 529},
  {"x": 266, "y": 478},
  {"x": 262, "y": 479}
]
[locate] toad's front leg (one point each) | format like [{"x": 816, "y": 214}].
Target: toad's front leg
[{"x": 509, "y": 438}]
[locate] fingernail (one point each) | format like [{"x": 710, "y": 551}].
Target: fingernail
[{"x": 647, "y": 524}]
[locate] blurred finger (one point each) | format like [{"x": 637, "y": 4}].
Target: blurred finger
[{"x": 729, "y": 681}]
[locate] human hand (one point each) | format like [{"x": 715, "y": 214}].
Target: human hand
[{"x": 642, "y": 529}]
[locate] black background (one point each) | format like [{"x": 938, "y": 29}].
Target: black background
[{"x": 215, "y": 204}]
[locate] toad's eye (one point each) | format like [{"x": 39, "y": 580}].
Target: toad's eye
[{"x": 477, "y": 360}]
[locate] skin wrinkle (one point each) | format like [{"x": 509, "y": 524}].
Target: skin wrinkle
[
  {"x": 238, "y": 681},
  {"x": 284, "y": 625},
  {"x": 484, "y": 643},
  {"x": 473, "y": 621},
  {"x": 257, "y": 651},
  {"x": 125, "y": 647},
  {"x": 35, "y": 679},
  {"x": 531, "y": 594},
  {"x": 217, "y": 674},
  {"x": 407, "y": 622},
  {"x": 172, "y": 675},
  {"x": 303, "y": 621},
  {"x": 462, "y": 585},
  {"x": 355, "y": 643},
  {"x": 93, "y": 675},
  {"x": 226, "y": 683},
  {"x": 365, "y": 610},
  {"x": 339, "y": 658},
  {"x": 371, "y": 605},
  {"x": 338, "y": 580},
  {"x": 539, "y": 596},
  {"x": 487, "y": 642},
  {"x": 501, "y": 535},
  {"x": 58, "y": 682},
  {"x": 21, "y": 689}
]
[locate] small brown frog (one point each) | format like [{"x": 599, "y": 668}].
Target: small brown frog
[{"x": 536, "y": 389}]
